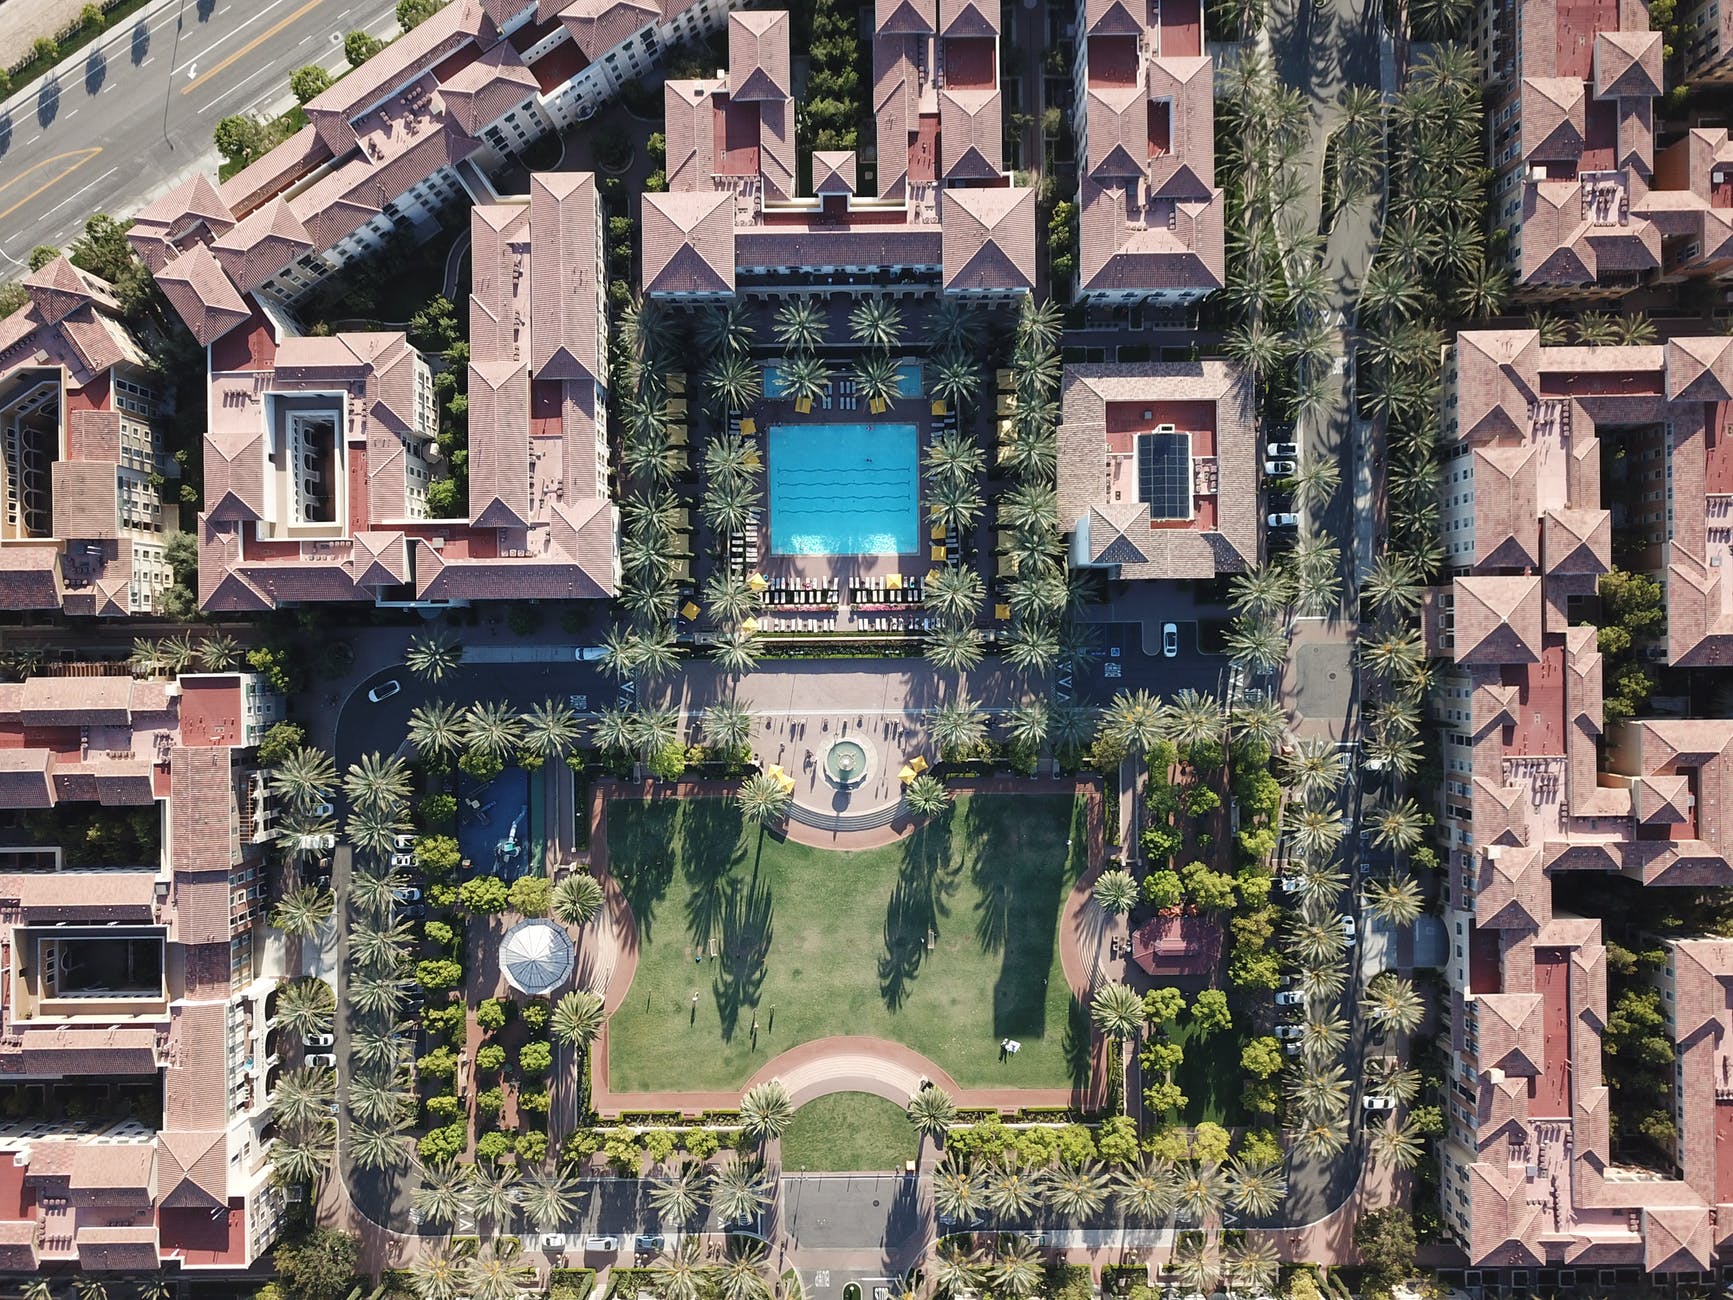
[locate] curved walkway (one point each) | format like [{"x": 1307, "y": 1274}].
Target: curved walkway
[{"x": 609, "y": 960}]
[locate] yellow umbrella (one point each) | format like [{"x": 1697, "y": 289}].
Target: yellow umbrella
[
  {"x": 689, "y": 611},
  {"x": 757, "y": 581},
  {"x": 748, "y": 426},
  {"x": 1002, "y": 612},
  {"x": 938, "y": 408},
  {"x": 919, "y": 762},
  {"x": 933, "y": 575},
  {"x": 894, "y": 582},
  {"x": 776, "y": 773},
  {"x": 906, "y": 775},
  {"x": 749, "y": 626},
  {"x": 938, "y": 555}
]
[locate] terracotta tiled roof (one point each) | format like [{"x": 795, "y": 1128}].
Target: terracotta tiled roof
[
  {"x": 25, "y": 778},
  {"x": 85, "y": 1050},
  {"x": 499, "y": 455},
  {"x": 113, "y": 1167},
  {"x": 758, "y": 55},
  {"x": 18, "y": 1238},
  {"x": 191, "y": 201},
  {"x": 597, "y": 26},
  {"x": 86, "y": 500},
  {"x": 198, "y": 289},
  {"x": 1498, "y": 620},
  {"x": 688, "y": 243},
  {"x": 76, "y": 701},
  {"x": 1677, "y": 1238},
  {"x": 1511, "y": 1031},
  {"x": 1553, "y": 118},
  {"x": 972, "y": 134},
  {"x": 195, "y": 1085},
  {"x": 1512, "y": 892},
  {"x": 484, "y": 91},
  {"x": 1700, "y": 368},
  {"x": 59, "y": 288},
  {"x": 262, "y": 244},
  {"x": 566, "y": 334},
  {"x": 691, "y": 133},
  {"x": 903, "y": 17},
  {"x": 132, "y": 1250},
  {"x": 833, "y": 172},
  {"x": 90, "y": 894},
  {"x": 967, "y": 18},
  {"x": 297, "y": 157},
  {"x": 1627, "y": 64},
  {"x": 1578, "y": 541},
  {"x": 194, "y": 1169},
  {"x": 30, "y": 577},
  {"x": 202, "y": 819},
  {"x": 449, "y": 29},
  {"x": 989, "y": 238}
]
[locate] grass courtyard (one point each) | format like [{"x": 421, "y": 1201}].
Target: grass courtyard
[
  {"x": 848, "y": 1131},
  {"x": 947, "y": 941},
  {"x": 1210, "y": 1075}
]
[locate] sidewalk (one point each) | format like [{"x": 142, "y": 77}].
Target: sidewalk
[{"x": 23, "y": 21}]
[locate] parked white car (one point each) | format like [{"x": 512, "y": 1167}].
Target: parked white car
[
  {"x": 1290, "y": 998},
  {"x": 1287, "y": 520}
]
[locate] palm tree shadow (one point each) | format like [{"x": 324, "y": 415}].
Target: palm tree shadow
[
  {"x": 639, "y": 858},
  {"x": 917, "y": 906},
  {"x": 745, "y": 927},
  {"x": 708, "y": 826}
]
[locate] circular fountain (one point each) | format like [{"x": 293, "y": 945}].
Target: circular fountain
[{"x": 846, "y": 763}]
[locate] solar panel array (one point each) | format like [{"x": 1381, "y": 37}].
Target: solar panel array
[{"x": 1164, "y": 474}]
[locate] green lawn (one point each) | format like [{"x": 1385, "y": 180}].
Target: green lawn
[
  {"x": 1210, "y": 1075},
  {"x": 848, "y": 1131},
  {"x": 813, "y": 943}
]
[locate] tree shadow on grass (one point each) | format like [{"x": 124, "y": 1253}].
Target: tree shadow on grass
[
  {"x": 709, "y": 849},
  {"x": 929, "y": 875},
  {"x": 745, "y": 922},
  {"x": 640, "y": 853},
  {"x": 1022, "y": 870}
]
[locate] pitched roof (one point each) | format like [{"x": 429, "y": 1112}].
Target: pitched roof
[
  {"x": 688, "y": 243},
  {"x": 988, "y": 238},
  {"x": 113, "y": 1167},
  {"x": 833, "y": 172},
  {"x": 123, "y": 1249},
  {"x": 193, "y": 1169},
  {"x": 758, "y": 63},
  {"x": 1627, "y": 64},
  {"x": 1498, "y": 620},
  {"x": 1512, "y": 1033}
]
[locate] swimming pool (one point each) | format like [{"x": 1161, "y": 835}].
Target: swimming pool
[
  {"x": 908, "y": 379},
  {"x": 843, "y": 489}
]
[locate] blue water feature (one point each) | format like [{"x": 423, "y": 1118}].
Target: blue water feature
[
  {"x": 908, "y": 379},
  {"x": 493, "y": 824},
  {"x": 844, "y": 489}
]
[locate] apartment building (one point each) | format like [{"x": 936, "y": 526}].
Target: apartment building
[
  {"x": 1158, "y": 469},
  {"x": 389, "y": 144},
  {"x": 1529, "y": 1184},
  {"x": 136, "y": 1046},
  {"x": 80, "y": 523},
  {"x": 1143, "y": 114},
  {"x": 1708, "y": 50},
  {"x": 942, "y": 217},
  {"x": 1569, "y": 104}
]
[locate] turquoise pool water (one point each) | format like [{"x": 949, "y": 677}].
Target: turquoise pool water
[
  {"x": 843, "y": 489},
  {"x": 908, "y": 379}
]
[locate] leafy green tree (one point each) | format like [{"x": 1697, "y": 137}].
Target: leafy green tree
[
  {"x": 535, "y": 1058},
  {"x": 412, "y": 13},
  {"x": 309, "y": 81},
  {"x": 319, "y": 1264},
  {"x": 484, "y": 895},
  {"x": 529, "y": 895},
  {"x": 241, "y": 138},
  {"x": 360, "y": 46},
  {"x": 1387, "y": 1244},
  {"x": 1209, "y": 1011}
]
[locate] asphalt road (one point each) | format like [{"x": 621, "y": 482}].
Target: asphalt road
[{"x": 133, "y": 113}]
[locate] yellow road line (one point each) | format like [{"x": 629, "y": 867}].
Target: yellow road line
[
  {"x": 251, "y": 45},
  {"x": 83, "y": 156}
]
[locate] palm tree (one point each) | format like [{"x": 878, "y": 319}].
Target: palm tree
[
  {"x": 799, "y": 324},
  {"x": 1202, "y": 1191},
  {"x": 1252, "y": 1267},
  {"x": 1319, "y": 1137},
  {"x": 1076, "y": 1190},
  {"x": 1032, "y": 645},
  {"x": 658, "y": 653},
  {"x": 875, "y": 376},
  {"x": 378, "y": 784},
  {"x": 726, "y": 327},
  {"x": 379, "y": 1146},
  {"x": 1319, "y": 1091},
  {"x": 433, "y": 655},
  {"x": 374, "y": 832},
  {"x": 551, "y": 729},
  {"x": 954, "y": 325},
  {"x": 1316, "y": 831},
  {"x": 727, "y": 506},
  {"x": 1259, "y": 348},
  {"x": 436, "y": 729},
  {"x": 1261, "y": 592},
  {"x": 218, "y": 653},
  {"x": 375, "y": 895},
  {"x": 1437, "y": 19},
  {"x": 1039, "y": 325},
  {"x": 739, "y": 1192},
  {"x": 1258, "y": 722},
  {"x": 733, "y": 382},
  {"x": 1393, "y": 753},
  {"x": 1147, "y": 1191},
  {"x": 375, "y": 1100},
  {"x": 1315, "y": 943},
  {"x": 442, "y": 1196},
  {"x": 1134, "y": 719},
  {"x": 549, "y": 1197},
  {"x": 1391, "y": 288},
  {"x": 654, "y": 729},
  {"x": 1315, "y": 768},
  {"x": 302, "y": 1152},
  {"x": 493, "y": 1193},
  {"x": 678, "y": 1198},
  {"x": 926, "y": 796},
  {"x": 304, "y": 777},
  {"x": 442, "y": 1274},
  {"x": 1116, "y": 891},
  {"x": 578, "y": 1017},
  {"x": 303, "y": 1094},
  {"x": 1321, "y": 884},
  {"x": 1011, "y": 1190},
  {"x": 177, "y": 652},
  {"x": 1192, "y": 718},
  {"x": 1597, "y": 328},
  {"x": 1390, "y": 588},
  {"x": 763, "y": 799},
  {"x": 955, "y": 649},
  {"x": 376, "y": 995},
  {"x": 959, "y": 1193},
  {"x": 145, "y": 660},
  {"x": 743, "y": 1274},
  {"x": 953, "y": 456},
  {"x": 766, "y": 1110},
  {"x": 730, "y": 599},
  {"x": 302, "y": 911},
  {"x": 1396, "y": 901},
  {"x": 736, "y": 652},
  {"x": 955, "y": 505},
  {"x": 1484, "y": 289},
  {"x": 577, "y": 899},
  {"x": 956, "y": 1269},
  {"x": 959, "y": 725},
  {"x": 681, "y": 1271},
  {"x": 1316, "y": 483},
  {"x": 1117, "y": 1010},
  {"x": 1255, "y": 1187},
  {"x": 494, "y": 1274},
  {"x": 305, "y": 835},
  {"x": 956, "y": 378},
  {"x": 730, "y": 458},
  {"x": 492, "y": 729},
  {"x": 613, "y": 730},
  {"x": 1193, "y": 1265},
  {"x": 804, "y": 377},
  {"x": 1393, "y": 1003},
  {"x": 877, "y": 323},
  {"x": 1256, "y": 645},
  {"x": 306, "y": 1006},
  {"x": 1396, "y": 1143},
  {"x": 1399, "y": 826},
  {"x": 932, "y": 1112},
  {"x": 379, "y": 948},
  {"x": 1322, "y": 1038},
  {"x": 1018, "y": 1269},
  {"x": 1386, "y": 1076}
]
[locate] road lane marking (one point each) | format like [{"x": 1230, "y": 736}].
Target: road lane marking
[
  {"x": 252, "y": 45},
  {"x": 83, "y": 156},
  {"x": 63, "y": 202}
]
